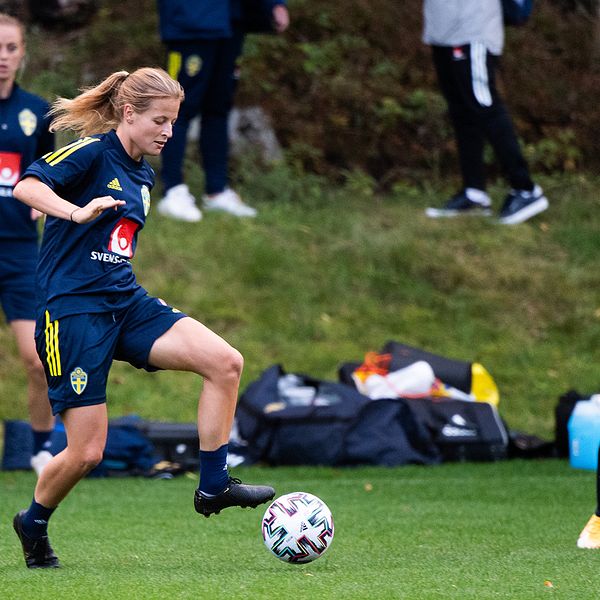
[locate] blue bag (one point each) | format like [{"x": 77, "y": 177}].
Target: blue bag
[
  {"x": 128, "y": 451},
  {"x": 516, "y": 12}
]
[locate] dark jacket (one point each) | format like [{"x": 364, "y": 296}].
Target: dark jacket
[{"x": 210, "y": 19}]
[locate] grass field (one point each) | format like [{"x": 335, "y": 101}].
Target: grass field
[
  {"x": 323, "y": 275},
  {"x": 476, "y": 531},
  {"x": 327, "y": 273}
]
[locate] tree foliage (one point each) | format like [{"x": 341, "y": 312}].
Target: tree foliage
[{"x": 351, "y": 87}]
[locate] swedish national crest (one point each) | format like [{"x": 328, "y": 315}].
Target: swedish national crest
[
  {"x": 27, "y": 121},
  {"x": 79, "y": 380}
]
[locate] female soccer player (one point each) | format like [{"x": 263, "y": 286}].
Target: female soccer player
[
  {"x": 24, "y": 136},
  {"x": 96, "y": 193}
]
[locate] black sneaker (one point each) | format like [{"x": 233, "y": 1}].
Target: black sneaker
[
  {"x": 235, "y": 494},
  {"x": 38, "y": 553},
  {"x": 460, "y": 204},
  {"x": 521, "y": 205}
]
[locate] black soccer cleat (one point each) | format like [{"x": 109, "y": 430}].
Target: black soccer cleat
[
  {"x": 235, "y": 494},
  {"x": 38, "y": 553}
]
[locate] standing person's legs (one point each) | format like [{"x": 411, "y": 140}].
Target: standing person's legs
[
  {"x": 453, "y": 68},
  {"x": 525, "y": 199},
  {"x": 216, "y": 106},
  {"x": 496, "y": 121},
  {"x": 40, "y": 413},
  {"x": 214, "y": 133},
  {"x": 191, "y": 63},
  {"x": 17, "y": 295}
]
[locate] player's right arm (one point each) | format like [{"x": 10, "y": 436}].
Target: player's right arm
[{"x": 38, "y": 195}]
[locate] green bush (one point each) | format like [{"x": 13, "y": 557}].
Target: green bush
[
  {"x": 351, "y": 87},
  {"x": 354, "y": 81}
]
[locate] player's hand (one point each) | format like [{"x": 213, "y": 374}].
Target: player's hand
[
  {"x": 36, "y": 214},
  {"x": 281, "y": 18},
  {"x": 94, "y": 209}
]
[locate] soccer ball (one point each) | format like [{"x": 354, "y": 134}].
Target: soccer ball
[{"x": 297, "y": 527}]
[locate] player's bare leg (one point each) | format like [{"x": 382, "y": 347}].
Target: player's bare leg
[
  {"x": 190, "y": 346},
  {"x": 86, "y": 429}
]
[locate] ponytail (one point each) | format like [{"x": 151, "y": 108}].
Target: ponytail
[
  {"x": 93, "y": 111},
  {"x": 99, "y": 109}
]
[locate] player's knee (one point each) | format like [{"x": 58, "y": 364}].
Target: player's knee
[
  {"x": 230, "y": 366},
  {"x": 90, "y": 458},
  {"x": 234, "y": 364}
]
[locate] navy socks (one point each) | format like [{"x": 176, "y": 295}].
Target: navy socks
[
  {"x": 41, "y": 441},
  {"x": 213, "y": 471},
  {"x": 35, "y": 520}
]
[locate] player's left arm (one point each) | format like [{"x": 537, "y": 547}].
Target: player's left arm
[{"x": 38, "y": 195}]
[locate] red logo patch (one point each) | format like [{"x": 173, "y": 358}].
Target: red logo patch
[
  {"x": 10, "y": 168},
  {"x": 457, "y": 53},
  {"x": 121, "y": 238}
]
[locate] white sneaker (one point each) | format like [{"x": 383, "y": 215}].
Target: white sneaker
[
  {"x": 40, "y": 460},
  {"x": 228, "y": 201},
  {"x": 179, "y": 204}
]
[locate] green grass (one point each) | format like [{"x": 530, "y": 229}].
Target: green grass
[
  {"x": 473, "y": 531},
  {"x": 328, "y": 272}
]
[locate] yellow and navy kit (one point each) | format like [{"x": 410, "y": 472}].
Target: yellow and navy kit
[
  {"x": 91, "y": 310},
  {"x": 77, "y": 351},
  {"x": 87, "y": 268},
  {"x": 24, "y": 136}
]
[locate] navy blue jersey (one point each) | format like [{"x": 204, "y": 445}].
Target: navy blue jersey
[
  {"x": 86, "y": 268},
  {"x": 24, "y": 136}
]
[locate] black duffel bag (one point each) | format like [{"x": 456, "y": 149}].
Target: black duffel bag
[
  {"x": 289, "y": 419},
  {"x": 462, "y": 430}
]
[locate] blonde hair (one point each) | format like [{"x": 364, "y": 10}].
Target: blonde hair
[
  {"x": 6, "y": 19},
  {"x": 99, "y": 109}
]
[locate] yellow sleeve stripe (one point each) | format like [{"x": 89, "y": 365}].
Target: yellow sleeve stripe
[
  {"x": 52, "y": 155},
  {"x": 174, "y": 64},
  {"x": 67, "y": 150},
  {"x": 52, "y": 349}
]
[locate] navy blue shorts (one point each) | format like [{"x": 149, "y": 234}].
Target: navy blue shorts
[
  {"x": 77, "y": 350},
  {"x": 17, "y": 286}
]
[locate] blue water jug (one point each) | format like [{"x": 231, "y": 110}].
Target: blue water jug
[{"x": 584, "y": 434}]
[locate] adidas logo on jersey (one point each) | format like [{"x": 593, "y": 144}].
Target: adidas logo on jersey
[{"x": 114, "y": 185}]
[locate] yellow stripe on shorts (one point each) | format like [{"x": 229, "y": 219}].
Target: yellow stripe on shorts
[{"x": 52, "y": 350}]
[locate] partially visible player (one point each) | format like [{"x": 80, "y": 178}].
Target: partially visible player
[
  {"x": 590, "y": 535},
  {"x": 24, "y": 136},
  {"x": 96, "y": 193}
]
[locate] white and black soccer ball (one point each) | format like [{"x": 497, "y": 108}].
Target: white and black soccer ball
[{"x": 297, "y": 527}]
